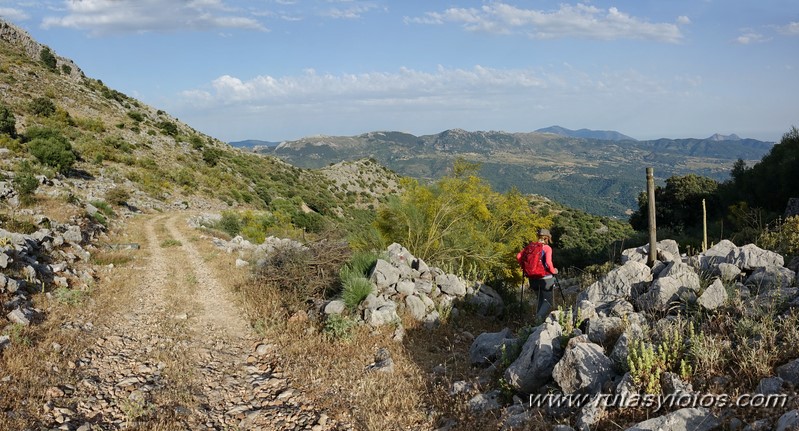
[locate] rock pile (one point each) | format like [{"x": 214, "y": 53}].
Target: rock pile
[
  {"x": 621, "y": 307},
  {"x": 406, "y": 283},
  {"x": 45, "y": 260}
]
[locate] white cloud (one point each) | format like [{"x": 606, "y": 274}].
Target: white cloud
[
  {"x": 352, "y": 11},
  {"x": 477, "y": 85},
  {"x": 12, "y": 14},
  {"x": 581, "y": 20},
  {"x": 750, "y": 36},
  {"x": 791, "y": 29},
  {"x": 413, "y": 100},
  {"x": 119, "y": 16}
]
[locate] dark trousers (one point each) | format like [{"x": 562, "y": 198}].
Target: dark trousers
[{"x": 546, "y": 296}]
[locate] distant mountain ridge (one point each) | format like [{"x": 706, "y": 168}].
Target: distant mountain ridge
[
  {"x": 607, "y": 135},
  {"x": 599, "y": 175},
  {"x": 253, "y": 143}
]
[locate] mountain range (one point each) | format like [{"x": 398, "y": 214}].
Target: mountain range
[{"x": 601, "y": 172}]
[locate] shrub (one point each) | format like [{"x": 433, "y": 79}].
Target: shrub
[
  {"x": 8, "y": 124},
  {"x": 460, "y": 221},
  {"x": 196, "y": 142},
  {"x": 136, "y": 116},
  {"x": 25, "y": 183},
  {"x": 48, "y": 59},
  {"x": 168, "y": 127},
  {"x": 648, "y": 362},
  {"x": 42, "y": 106},
  {"x": 51, "y": 148},
  {"x": 66, "y": 69},
  {"x": 184, "y": 177},
  {"x": 783, "y": 238},
  {"x": 310, "y": 222},
  {"x": 211, "y": 156},
  {"x": 117, "y": 195},
  {"x": 229, "y": 223},
  {"x": 338, "y": 327}
]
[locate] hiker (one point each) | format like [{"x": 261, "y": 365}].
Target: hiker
[{"x": 536, "y": 262}]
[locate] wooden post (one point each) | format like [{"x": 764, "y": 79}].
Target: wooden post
[
  {"x": 704, "y": 227},
  {"x": 653, "y": 238}
]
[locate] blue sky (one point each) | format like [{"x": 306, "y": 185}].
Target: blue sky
[{"x": 284, "y": 69}]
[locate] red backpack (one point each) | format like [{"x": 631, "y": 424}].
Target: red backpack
[{"x": 532, "y": 260}]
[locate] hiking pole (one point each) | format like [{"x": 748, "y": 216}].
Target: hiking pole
[
  {"x": 521, "y": 295},
  {"x": 557, "y": 286}
]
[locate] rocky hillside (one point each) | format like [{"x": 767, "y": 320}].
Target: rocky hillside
[
  {"x": 719, "y": 327},
  {"x": 364, "y": 183},
  {"x": 118, "y": 141}
]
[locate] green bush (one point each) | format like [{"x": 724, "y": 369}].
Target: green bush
[
  {"x": 648, "y": 362},
  {"x": 310, "y": 222},
  {"x": 196, "y": 142},
  {"x": 25, "y": 183},
  {"x": 461, "y": 222},
  {"x": 51, "y": 148},
  {"x": 783, "y": 238},
  {"x": 229, "y": 223},
  {"x": 8, "y": 124},
  {"x": 211, "y": 156},
  {"x": 136, "y": 116},
  {"x": 48, "y": 59},
  {"x": 168, "y": 128},
  {"x": 42, "y": 106}
]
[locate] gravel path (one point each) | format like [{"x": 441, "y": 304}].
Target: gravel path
[{"x": 181, "y": 356}]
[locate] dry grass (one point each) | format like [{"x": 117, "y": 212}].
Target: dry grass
[
  {"x": 333, "y": 372},
  {"x": 57, "y": 209}
]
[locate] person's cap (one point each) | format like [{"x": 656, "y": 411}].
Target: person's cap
[{"x": 544, "y": 232}]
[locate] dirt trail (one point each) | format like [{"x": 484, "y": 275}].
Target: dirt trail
[{"x": 180, "y": 355}]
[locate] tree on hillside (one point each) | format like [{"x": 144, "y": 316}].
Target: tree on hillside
[
  {"x": 47, "y": 57},
  {"x": 583, "y": 239},
  {"x": 772, "y": 181},
  {"x": 679, "y": 203},
  {"x": 460, "y": 221}
]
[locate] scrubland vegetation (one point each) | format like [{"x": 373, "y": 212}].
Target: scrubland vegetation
[
  {"x": 460, "y": 223},
  {"x": 457, "y": 223}
]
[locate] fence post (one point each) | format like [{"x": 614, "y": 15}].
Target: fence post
[
  {"x": 704, "y": 227},
  {"x": 653, "y": 239}
]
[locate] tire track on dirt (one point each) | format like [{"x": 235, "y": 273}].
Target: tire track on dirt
[
  {"x": 178, "y": 356},
  {"x": 218, "y": 312}
]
